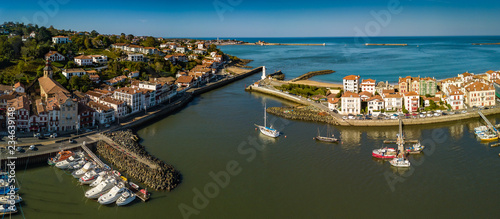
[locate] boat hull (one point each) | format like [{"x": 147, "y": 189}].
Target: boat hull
[{"x": 268, "y": 131}]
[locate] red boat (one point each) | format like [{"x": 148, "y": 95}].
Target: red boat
[{"x": 384, "y": 153}]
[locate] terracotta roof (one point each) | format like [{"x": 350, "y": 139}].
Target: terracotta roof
[
  {"x": 60, "y": 37},
  {"x": 50, "y": 86},
  {"x": 18, "y": 84},
  {"x": 185, "y": 79},
  {"x": 83, "y": 57},
  {"x": 82, "y": 108},
  {"x": 376, "y": 97},
  {"x": 351, "y": 77},
  {"x": 72, "y": 70},
  {"x": 20, "y": 102},
  {"x": 467, "y": 74},
  {"x": 112, "y": 101},
  {"x": 368, "y": 81},
  {"x": 490, "y": 72},
  {"x": 396, "y": 95},
  {"x": 333, "y": 100},
  {"x": 40, "y": 107},
  {"x": 478, "y": 86},
  {"x": 98, "y": 106},
  {"x": 51, "y": 53},
  {"x": 349, "y": 94},
  {"x": 366, "y": 93},
  {"x": 94, "y": 94},
  {"x": 454, "y": 90},
  {"x": 412, "y": 93}
]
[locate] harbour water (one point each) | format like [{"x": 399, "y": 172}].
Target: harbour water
[{"x": 292, "y": 176}]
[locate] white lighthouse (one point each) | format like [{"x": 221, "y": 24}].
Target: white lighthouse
[{"x": 263, "y": 73}]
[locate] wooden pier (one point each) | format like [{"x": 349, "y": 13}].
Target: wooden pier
[{"x": 94, "y": 157}]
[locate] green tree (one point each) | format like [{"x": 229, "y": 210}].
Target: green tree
[{"x": 74, "y": 82}]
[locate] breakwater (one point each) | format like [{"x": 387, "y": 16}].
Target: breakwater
[
  {"x": 312, "y": 74},
  {"x": 223, "y": 82},
  {"x": 163, "y": 177},
  {"x": 307, "y": 113}
]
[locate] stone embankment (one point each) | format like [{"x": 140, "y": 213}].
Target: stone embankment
[
  {"x": 312, "y": 74},
  {"x": 163, "y": 177},
  {"x": 302, "y": 113}
]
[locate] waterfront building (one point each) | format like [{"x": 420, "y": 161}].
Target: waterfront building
[
  {"x": 135, "y": 57},
  {"x": 21, "y": 112},
  {"x": 119, "y": 107},
  {"x": 404, "y": 84},
  {"x": 333, "y": 102},
  {"x": 365, "y": 95},
  {"x": 83, "y": 60},
  {"x": 466, "y": 77},
  {"x": 368, "y": 85},
  {"x": 68, "y": 73},
  {"x": 492, "y": 75},
  {"x": 455, "y": 97},
  {"x": 185, "y": 81},
  {"x": 54, "y": 56},
  {"x": 86, "y": 116},
  {"x": 428, "y": 86},
  {"x": 375, "y": 104},
  {"x": 132, "y": 97},
  {"x": 411, "y": 101},
  {"x": 60, "y": 39},
  {"x": 104, "y": 114},
  {"x": 455, "y": 81},
  {"x": 351, "y": 83},
  {"x": 39, "y": 118},
  {"x": 479, "y": 94},
  {"x": 392, "y": 101},
  {"x": 350, "y": 103}
]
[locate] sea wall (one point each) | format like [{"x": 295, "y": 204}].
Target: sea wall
[
  {"x": 277, "y": 94},
  {"x": 164, "y": 177},
  {"x": 312, "y": 74},
  {"x": 302, "y": 113}
]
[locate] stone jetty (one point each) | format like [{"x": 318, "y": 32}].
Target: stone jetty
[
  {"x": 158, "y": 176},
  {"x": 306, "y": 113}
]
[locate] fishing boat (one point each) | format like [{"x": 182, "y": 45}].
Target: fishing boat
[
  {"x": 384, "y": 153},
  {"x": 62, "y": 155},
  {"x": 100, "y": 189},
  {"x": 111, "y": 196},
  {"x": 480, "y": 129},
  {"x": 79, "y": 173},
  {"x": 126, "y": 197},
  {"x": 488, "y": 136},
  {"x": 268, "y": 131},
  {"x": 400, "y": 162},
  {"x": 8, "y": 209},
  {"x": 102, "y": 176},
  {"x": 6, "y": 199},
  {"x": 415, "y": 149},
  {"x": 326, "y": 138}
]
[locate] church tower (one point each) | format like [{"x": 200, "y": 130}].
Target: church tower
[{"x": 47, "y": 71}]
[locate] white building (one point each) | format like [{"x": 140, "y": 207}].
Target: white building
[
  {"x": 54, "y": 56},
  {"x": 411, "y": 101},
  {"x": 133, "y": 98},
  {"x": 479, "y": 94},
  {"x": 181, "y": 49},
  {"x": 68, "y": 73},
  {"x": 392, "y": 101},
  {"x": 351, "y": 83},
  {"x": 455, "y": 98},
  {"x": 104, "y": 114},
  {"x": 99, "y": 59},
  {"x": 19, "y": 88},
  {"x": 83, "y": 60},
  {"x": 368, "y": 85},
  {"x": 135, "y": 57},
  {"x": 375, "y": 104},
  {"x": 351, "y": 103},
  {"x": 61, "y": 39}
]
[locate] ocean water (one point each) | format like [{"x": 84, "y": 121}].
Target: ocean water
[{"x": 438, "y": 57}]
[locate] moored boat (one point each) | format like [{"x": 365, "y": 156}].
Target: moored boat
[
  {"x": 267, "y": 131},
  {"x": 400, "y": 162},
  {"x": 415, "y": 149},
  {"x": 62, "y": 155},
  {"x": 112, "y": 195},
  {"x": 385, "y": 153},
  {"x": 6, "y": 199},
  {"x": 100, "y": 189},
  {"x": 126, "y": 197},
  {"x": 6, "y": 190},
  {"x": 326, "y": 138},
  {"x": 90, "y": 176},
  {"x": 79, "y": 173},
  {"x": 8, "y": 209}
]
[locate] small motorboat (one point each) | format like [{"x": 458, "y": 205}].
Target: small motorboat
[
  {"x": 415, "y": 149},
  {"x": 6, "y": 199},
  {"x": 385, "y": 153},
  {"x": 7, "y": 209},
  {"x": 326, "y": 138},
  {"x": 79, "y": 173},
  {"x": 400, "y": 162},
  {"x": 66, "y": 163},
  {"x": 100, "y": 189},
  {"x": 126, "y": 197},
  {"x": 90, "y": 176},
  {"x": 487, "y": 136},
  {"x": 77, "y": 165},
  {"x": 133, "y": 185},
  {"x": 112, "y": 195}
]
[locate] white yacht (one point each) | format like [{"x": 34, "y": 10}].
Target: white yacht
[
  {"x": 126, "y": 197},
  {"x": 268, "y": 131},
  {"x": 66, "y": 163},
  {"x": 76, "y": 165},
  {"x": 100, "y": 189},
  {"x": 5, "y": 199},
  {"x": 90, "y": 176},
  {"x": 102, "y": 176},
  {"x": 79, "y": 173},
  {"x": 112, "y": 195},
  {"x": 400, "y": 162},
  {"x": 8, "y": 209}
]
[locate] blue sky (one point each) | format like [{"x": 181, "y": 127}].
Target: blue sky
[{"x": 259, "y": 18}]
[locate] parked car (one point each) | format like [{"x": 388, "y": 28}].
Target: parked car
[
  {"x": 437, "y": 114},
  {"x": 422, "y": 115},
  {"x": 72, "y": 141},
  {"x": 107, "y": 126},
  {"x": 32, "y": 147},
  {"x": 54, "y": 135},
  {"x": 19, "y": 149},
  {"x": 46, "y": 135},
  {"x": 350, "y": 116},
  {"x": 464, "y": 111},
  {"x": 344, "y": 117},
  {"x": 37, "y": 135},
  {"x": 451, "y": 113}
]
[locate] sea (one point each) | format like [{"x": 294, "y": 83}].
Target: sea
[{"x": 230, "y": 170}]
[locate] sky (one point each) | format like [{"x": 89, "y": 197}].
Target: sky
[{"x": 260, "y": 18}]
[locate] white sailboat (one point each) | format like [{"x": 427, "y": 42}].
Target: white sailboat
[{"x": 267, "y": 130}]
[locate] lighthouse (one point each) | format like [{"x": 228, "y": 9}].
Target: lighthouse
[{"x": 263, "y": 73}]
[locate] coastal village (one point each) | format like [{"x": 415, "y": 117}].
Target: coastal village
[{"x": 416, "y": 94}]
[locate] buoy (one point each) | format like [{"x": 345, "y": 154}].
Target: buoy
[
  {"x": 285, "y": 136},
  {"x": 255, "y": 129}
]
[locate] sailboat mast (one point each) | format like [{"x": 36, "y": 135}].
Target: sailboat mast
[{"x": 265, "y": 116}]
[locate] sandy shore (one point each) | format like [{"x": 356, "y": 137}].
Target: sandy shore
[{"x": 318, "y": 84}]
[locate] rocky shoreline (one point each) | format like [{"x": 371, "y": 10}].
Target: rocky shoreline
[
  {"x": 164, "y": 177},
  {"x": 305, "y": 113}
]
